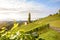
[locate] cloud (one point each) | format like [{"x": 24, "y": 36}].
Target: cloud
[{"x": 19, "y": 9}]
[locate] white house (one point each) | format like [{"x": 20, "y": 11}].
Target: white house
[{"x": 25, "y": 23}]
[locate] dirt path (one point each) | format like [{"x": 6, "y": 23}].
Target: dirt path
[{"x": 55, "y": 28}]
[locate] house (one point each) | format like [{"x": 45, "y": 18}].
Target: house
[{"x": 25, "y": 23}]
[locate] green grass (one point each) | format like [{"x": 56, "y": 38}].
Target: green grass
[
  {"x": 41, "y": 22},
  {"x": 55, "y": 23},
  {"x": 52, "y": 20},
  {"x": 45, "y": 33},
  {"x": 50, "y": 35}
]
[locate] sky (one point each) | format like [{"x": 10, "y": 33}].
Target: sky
[{"x": 19, "y": 9}]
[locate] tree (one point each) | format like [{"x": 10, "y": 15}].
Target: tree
[
  {"x": 57, "y": 13},
  {"x": 29, "y": 18},
  {"x": 50, "y": 15}
]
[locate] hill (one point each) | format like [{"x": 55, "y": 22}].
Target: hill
[
  {"x": 51, "y": 20},
  {"x": 41, "y": 29}
]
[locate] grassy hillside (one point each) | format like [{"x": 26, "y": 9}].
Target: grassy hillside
[
  {"x": 47, "y": 34},
  {"x": 41, "y": 27},
  {"x": 50, "y": 35},
  {"x": 55, "y": 23},
  {"x": 53, "y": 20}
]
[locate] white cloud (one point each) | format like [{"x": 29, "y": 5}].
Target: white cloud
[{"x": 18, "y": 9}]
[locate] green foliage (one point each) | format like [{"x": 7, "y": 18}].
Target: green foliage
[
  {"x": 59, "y": 11},
  {"x": 40, "y": 39},
  {"x": 50, "y": 15},
  {"x": 51, "y": 35}
]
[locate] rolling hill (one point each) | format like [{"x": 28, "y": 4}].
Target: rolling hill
[
  {"x": 53, "y": 20},
  {"x": 47, "y": 34},
  {"x": 46, "y": 28}
]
